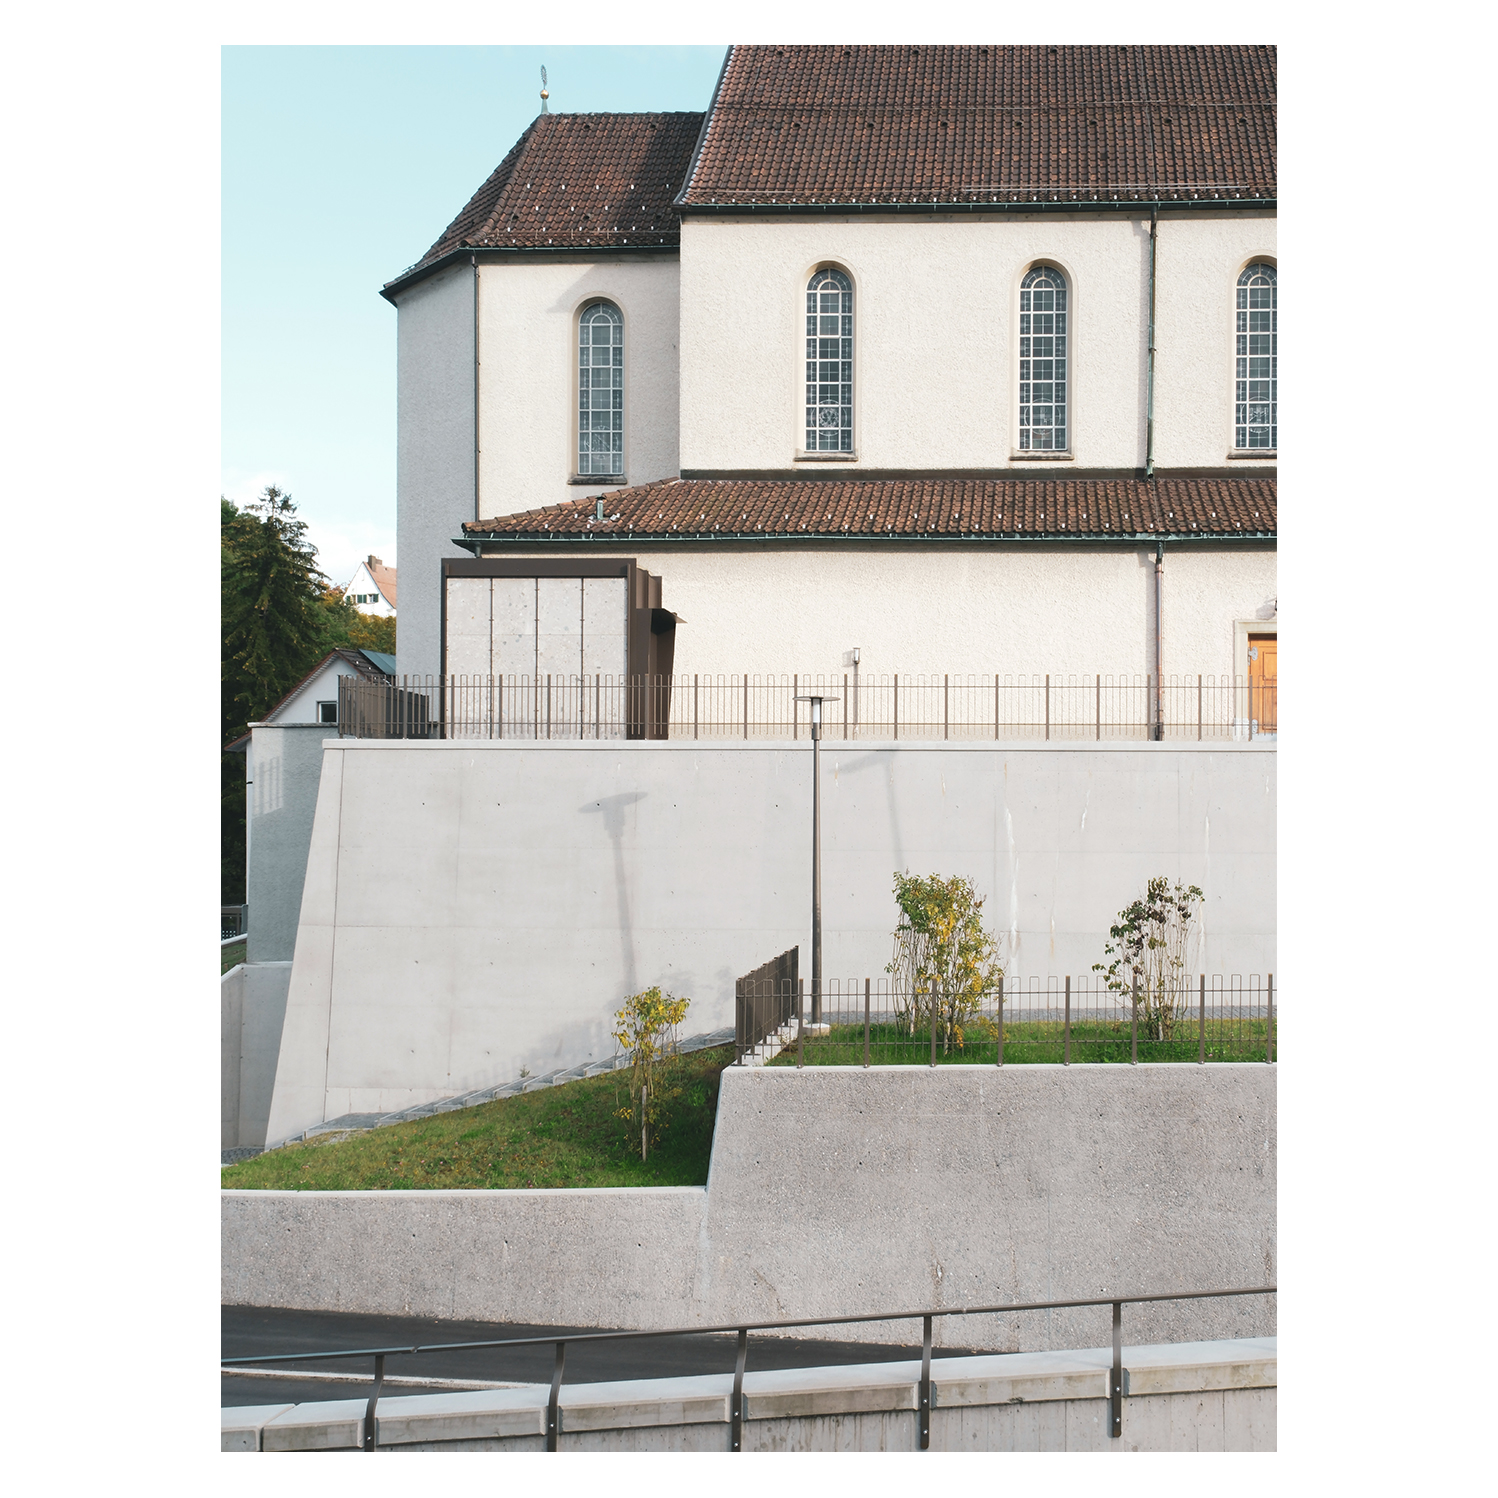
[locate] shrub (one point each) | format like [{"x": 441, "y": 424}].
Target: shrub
[
  {"x": 646, "y": 1029},
  {"x": 944, "y": 960},
  {"x": 1149, "y": 942}
]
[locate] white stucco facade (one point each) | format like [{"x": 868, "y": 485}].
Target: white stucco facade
[
  {"x": 980, "y": 609},
  {"x": 936, "y": 328},
  {"x": 528, "y": 313},
  {"x": 434, "y": 449}
]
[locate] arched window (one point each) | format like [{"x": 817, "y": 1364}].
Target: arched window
[
  {"x": 600, "y": 390},
  {"x": 1258, "y": 358},
  {"x": 829, "y": 363},
  {"x": 1042, "y": 361}
]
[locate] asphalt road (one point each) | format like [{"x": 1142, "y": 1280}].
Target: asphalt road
[{"x": 255, "y": 1331}]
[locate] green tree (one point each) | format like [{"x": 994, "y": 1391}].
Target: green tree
[
  {"x": 945, "y": 962},
  {"x": 646, "y": 1028},
  {"x": 1148, "y": 943},
  {"x": 358, "y": 631},
  {"x": 274, "y": 629}
]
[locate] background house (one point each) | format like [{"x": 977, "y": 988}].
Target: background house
[{"x": 372, "y": 588}]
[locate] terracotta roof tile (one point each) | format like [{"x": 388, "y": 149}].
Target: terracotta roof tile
[
  {"x": 936, "y": 508},
  {"x": 917, "y": 124},
  {"x": 577, "y": 180}
]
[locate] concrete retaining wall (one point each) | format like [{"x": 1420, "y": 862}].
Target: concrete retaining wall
[
  {"x": 835, "y": 1191},
  {"x": 474, "y": 908},
  {"x": 1201, "y": 1396}
]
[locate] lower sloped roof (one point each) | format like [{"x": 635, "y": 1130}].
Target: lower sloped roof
[{"x": 918, "y": 509}]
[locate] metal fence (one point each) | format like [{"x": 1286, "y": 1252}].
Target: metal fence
[
  {"x": 764, "y": 1002},
  {"x": 232, "y": 921},
  {"x": 917, "y": 707},
  {"x": 868, "y": 1022},
  {"x": 736, "y": 1399}
]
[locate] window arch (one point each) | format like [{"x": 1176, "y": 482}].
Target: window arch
[
  {"x": 829, "y": 362},
  {"x": 1043, "y": 404},
  {"x": 1257, "y": 400},
  {"x": 600, "y": 390}
]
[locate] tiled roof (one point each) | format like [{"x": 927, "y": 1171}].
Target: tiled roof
[
  {"x": 577, "y": 180},
  {"x": 898, "y": 509},
  {"x": 917, "y": 124},
  {"x": 384, "y": 578}
]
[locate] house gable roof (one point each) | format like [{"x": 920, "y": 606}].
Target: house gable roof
[
  {"x": 908, "y": 510},
  {"x": 370, "y": 664},
  {"x": 601, "y": 181},
  {"x": 868, "y": 125}
]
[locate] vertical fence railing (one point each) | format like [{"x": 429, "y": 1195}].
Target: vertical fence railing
[
  {"x": 897, "y": 707},
  {"x": 1066, "y": 1020}
]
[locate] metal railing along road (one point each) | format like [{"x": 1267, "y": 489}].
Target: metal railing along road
[
  {"x": 736, "y": 1403},
  {"x": 1021, "y": 1020},
  {"x": 1067, "y": 709}
]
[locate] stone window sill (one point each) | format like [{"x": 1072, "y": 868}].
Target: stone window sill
[
  {"x": 604, "y": 479},
  {"x": 806, "y": 457},
  {"x": 1041, "y": 457},
  {"x": 1240, "y": 454}
]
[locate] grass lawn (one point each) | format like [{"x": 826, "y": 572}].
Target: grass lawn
[
  {"x": 231, "y": 955},
  {"x": 559, "y": 1136},
  {"x": 1033, "y": 1043}
]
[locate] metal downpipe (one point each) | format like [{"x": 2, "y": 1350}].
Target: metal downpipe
[{"x": 1149, "y": 398}]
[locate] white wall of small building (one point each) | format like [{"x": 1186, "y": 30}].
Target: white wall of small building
[
  {"x": 936, "y": 323},
  {"x": 528, "y": 357}
]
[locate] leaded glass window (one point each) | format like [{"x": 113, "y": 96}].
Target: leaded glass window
[
  {"x": 600, "y": 389},
  {"x": 1257, "y": 395},
  {"x": 1042, "y": 361},
  {"x": 829, "y": 363}
]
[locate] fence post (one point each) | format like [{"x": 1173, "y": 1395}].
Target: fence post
[
  {"x": 897, "y": 704},
  {"x": 1066, "y": 1026},
  {"x": 1269, "y": 1036},
  {"x": 374, "y": 1399},
  {"x": 926, "y": 1385},
  {"x": 946, "y": 712},
  {"x": 694, "y": 704},
  {"x": 548, "y": 704},
  {"x": 1001, "y": 1019},
  {"x": 1201, "y": 1024},
  {"x": 865, "y": 1024},
  {"x": 746, "y": 706},
  {"x": 996, "y": 705},
  {"x": 1250, "y": 701},
  {"x": 1198, "y": 707},
  {"x": 1115, "y": 1375},
  {"x": 736, "y": 1409},
  {"x": 553, "y": 1413},
  {"x": 933, "y": 1027},
  {"x": 845, "y": 705},
  {"x": 800, "y": 1021},
  {"x": 795, "y": 711},
  {"x": 1048, "y": 706},
  {"x": 1134, "y": 1027},
  {"x": 1099, "y": 709}
]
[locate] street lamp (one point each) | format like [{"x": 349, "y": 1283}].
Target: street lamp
[{"x": 816, "y": 854}]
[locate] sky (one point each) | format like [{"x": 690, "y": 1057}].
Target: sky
[{"x": 341, "y": 166}]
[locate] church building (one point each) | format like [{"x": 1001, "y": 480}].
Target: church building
[{"x": 945, "y": 364}]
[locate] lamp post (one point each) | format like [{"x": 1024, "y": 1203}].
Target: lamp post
[{"x": 816, "y": 854}]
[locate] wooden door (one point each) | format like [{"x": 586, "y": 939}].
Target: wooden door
[{"x": 1263, "y": 681}]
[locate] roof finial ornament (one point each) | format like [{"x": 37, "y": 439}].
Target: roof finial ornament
[{"x": 544, "y": 95}]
